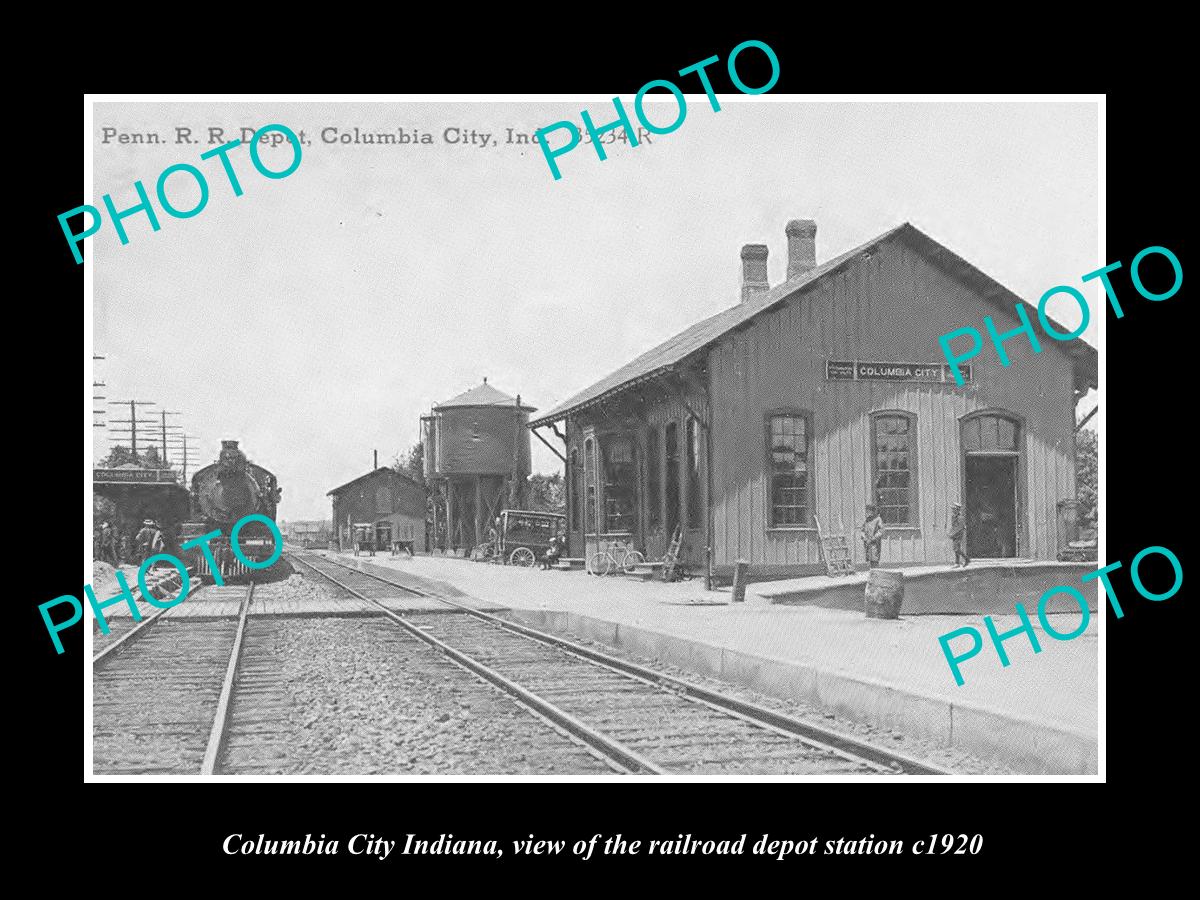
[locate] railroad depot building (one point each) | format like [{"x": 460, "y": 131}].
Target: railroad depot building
[
  {"x": 390, "y": 504},
  {"x": 805, "y": 401}
]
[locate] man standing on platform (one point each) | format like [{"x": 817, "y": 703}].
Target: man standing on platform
[
  {"x": 872, "y": 532},
  {"x": 958, "y": 534}
]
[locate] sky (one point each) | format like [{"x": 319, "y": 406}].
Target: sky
[{"x": 317, "y": 316}]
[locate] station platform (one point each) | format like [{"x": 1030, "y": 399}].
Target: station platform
[
  {"x": 1039, "y": 715},
  {"x": 985, "y": 587}
]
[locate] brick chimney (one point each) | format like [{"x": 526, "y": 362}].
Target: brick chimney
[
  {"x": 802, "y": 247},
  {"x": 754, "y": 270}
]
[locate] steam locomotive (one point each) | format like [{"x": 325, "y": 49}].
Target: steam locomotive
[{"x": 222, "y": 494}]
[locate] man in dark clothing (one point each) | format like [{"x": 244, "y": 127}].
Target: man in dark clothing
[
  {"x": 872, "y": 535},
  {"x": 108, "y": 543},
  {"x": 144, "y": 539},
  {"x": 958, "y": 534}
]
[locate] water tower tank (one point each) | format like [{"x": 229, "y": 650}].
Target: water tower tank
[{"x": 475, "y": 434}]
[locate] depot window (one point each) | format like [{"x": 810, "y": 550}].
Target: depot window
[
  {"x": 894, "y": 467},
  {"x": 788, "y": 464},
  {"x": 990, "y": 434},
  {"x": 589, "y": 477},
  {"x": 576, "y": 492},
  {"x": 653, "y": 480},
  {"x": 694, "y": 510},
  {"x": 620, "y": 476}
]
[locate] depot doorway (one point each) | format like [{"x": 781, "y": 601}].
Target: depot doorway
[{"x": 991, "y": 504}]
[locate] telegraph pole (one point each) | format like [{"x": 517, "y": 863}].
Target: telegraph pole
[
  {"x": 182, "y": 444},
  {"x": 133, "y": 419},
  {"x": 164, "y": 414},
  {"x": 97, "y": 412}
]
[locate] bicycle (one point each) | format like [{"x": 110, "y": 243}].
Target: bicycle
[{"x": 617, "y": 558}]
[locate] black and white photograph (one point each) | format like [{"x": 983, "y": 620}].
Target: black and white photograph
[{"x": 423, "y": 446}]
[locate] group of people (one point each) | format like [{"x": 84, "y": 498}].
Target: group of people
[
  {"x": 872, "y": 535},
  {"x": 116, "y": 549}
]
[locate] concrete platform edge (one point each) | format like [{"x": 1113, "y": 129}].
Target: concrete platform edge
[{"x": 1027, "y": 745}]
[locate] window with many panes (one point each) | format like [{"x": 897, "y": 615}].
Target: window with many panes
[
  {"x": 788, "y": 459},
  {"x": 990, "y": 434},
  {"x": 653, "y": 480},
  {"x": 894, "y": 462},
  {"x": 576, "y": 492},
  {"x": 695, "y": 502},
  {"x": 589, "y": 477},
  {"x": 620, "y": 475},
  {"x": 671, "y": 483}
]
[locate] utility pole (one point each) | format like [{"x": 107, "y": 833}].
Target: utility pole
[
  {"x": 97, "y": 412},
  {"x": 133, "y": 419},
  {"x": 164, "y": 414},
  {"x": 185, "y": 458}
]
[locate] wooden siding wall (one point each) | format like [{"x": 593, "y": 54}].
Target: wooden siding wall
[{"x": 891, "y": 307}]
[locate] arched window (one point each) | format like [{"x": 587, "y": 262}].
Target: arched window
[
  {"x": 576, "y": 492},
  {"x": 653, "y": 480},
  {"x": 589, "y": 469},
  {"x": 695, "y": 517},
  {"x": 788, "y": 436},
  {"x": 894, "y": 467}
]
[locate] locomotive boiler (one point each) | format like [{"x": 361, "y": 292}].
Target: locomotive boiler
[{"x": 222, "y": 494}]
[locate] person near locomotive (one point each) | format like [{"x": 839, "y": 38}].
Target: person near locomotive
[
  {"x": 872, "y": 535},
  {"x": 144, "y": 539},
  {"x": 108, "y": 543}
]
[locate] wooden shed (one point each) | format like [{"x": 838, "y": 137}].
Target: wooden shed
[
  {"x": 390, "y": 502},
  {"x": 808, "y": 400}
]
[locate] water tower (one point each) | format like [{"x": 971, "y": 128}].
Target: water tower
[{"x": 476, "y": 462}]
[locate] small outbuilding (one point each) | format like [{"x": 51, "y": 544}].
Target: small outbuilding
[{"x": 390, "y": 503}]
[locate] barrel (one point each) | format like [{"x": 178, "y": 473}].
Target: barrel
[{"x": 885, "y": 593}]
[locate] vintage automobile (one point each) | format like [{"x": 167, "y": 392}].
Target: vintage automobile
[{"x": 524, "y": 537}]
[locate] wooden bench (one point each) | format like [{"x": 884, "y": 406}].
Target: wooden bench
[{"x": 569, "y": 564}]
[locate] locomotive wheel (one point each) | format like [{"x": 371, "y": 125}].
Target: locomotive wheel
[
  {"x": 522, "y": 556},
  {"x": 632, "y": 558}
]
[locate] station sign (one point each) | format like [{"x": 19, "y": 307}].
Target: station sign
[
  {"x": 858, "y": 370},
  {"x": 134, "y": 476}
]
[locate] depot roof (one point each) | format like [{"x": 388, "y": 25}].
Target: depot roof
[
  {"x": 341, "y": 489},
  {"x": 704, "y": 333}
]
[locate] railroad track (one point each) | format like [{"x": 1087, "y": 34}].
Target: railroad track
[
  {"x": 161, "y": 692},
  {"x": 642, "y": 720},
  {"x": 219, "y": 694}
]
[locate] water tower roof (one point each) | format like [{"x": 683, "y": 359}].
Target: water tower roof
[{"x": 483, "y": 395}]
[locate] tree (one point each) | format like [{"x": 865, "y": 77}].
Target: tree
[
  {"x": 123, "y": 456},
  {"x": 411, "y": 463},
  {"x": 547, "y": 493},
  {"x": 1086, "y": 477}
]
